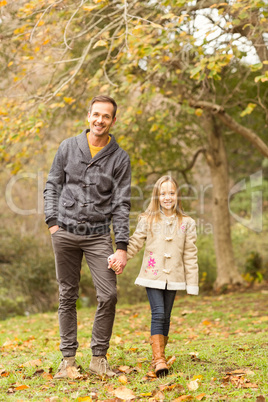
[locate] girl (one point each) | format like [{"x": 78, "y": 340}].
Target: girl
[{"x": 169, "y": 262}]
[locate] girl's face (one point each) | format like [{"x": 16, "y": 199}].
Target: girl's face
[{"x": 167, "y": 197}]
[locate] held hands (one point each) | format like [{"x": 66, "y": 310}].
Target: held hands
[
  {"x": 117, "y": 261},
  {"x": 53, "y": 229}
]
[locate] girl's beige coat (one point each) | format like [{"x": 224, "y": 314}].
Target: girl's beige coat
[{"x": 170, "y": 256}]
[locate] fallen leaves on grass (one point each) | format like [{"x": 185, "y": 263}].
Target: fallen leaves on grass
[
  {"x": 171, "y": 361},
  {"x": 31, "y": 363},
  {"x": 183, "y": 398},
  {"x": 150, "y": 376},
  {"x": 260, "y": 398},
  {"x": 171, "y": 387},
  {"x": 123, "y": 379},
  {"x": 123, "y": 369},
  {"x": 189, "y": 398},
  {"x": 195, "y": 382},
  {"x": 238, "y": 379},
  {"x": 73, "y": 373},
  {"x": 4, "y": 373},
  {"x": 124, "y": 393},
  {"x": 193, "y": 385},
  {"x": 17, "y": 387},
  {"x": 159, "y": 396}
]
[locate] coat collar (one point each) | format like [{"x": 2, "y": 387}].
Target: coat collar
[{"x": 82, "y": 143}]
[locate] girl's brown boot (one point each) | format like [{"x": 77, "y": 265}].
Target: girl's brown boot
[
  {"x": 159, "y": 360},
  {"x": 165, "y": 344}
]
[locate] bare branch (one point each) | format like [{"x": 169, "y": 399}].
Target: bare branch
[
  {"x": 68, "y": 23},
  {"x": 109, "y": 54},
  {"x": 86, "y": 50},
  {"x": 192, "y": 163},
  {"x": 250, "y": 135},
  {"x": 245, "y": 132},
  {"x": 42, "y": 15}
]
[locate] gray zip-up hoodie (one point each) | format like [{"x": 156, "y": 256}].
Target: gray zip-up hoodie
[{"x": 83, "y": 194}]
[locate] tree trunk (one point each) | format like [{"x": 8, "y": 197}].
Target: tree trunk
[{"x": 227, "y": 272}]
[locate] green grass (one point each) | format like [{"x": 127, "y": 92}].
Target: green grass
[{"x": 211, "y": 337}]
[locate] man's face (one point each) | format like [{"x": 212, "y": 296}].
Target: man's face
[{"x": 101, "y": 118}]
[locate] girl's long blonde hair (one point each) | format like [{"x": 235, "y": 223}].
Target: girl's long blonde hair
[{"x": 153, "y": 211}]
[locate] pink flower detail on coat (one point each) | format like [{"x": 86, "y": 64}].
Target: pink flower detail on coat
[
  {"x": 151, "y": 262},
  {"x": 183, "y": 228}
]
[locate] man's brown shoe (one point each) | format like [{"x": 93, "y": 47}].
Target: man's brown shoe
[{"x": 100, "y": 366}]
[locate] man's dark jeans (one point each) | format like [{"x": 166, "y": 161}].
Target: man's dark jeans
[
  {"x": 161, "y": 302},
  {"x": 69, "y": 249}
]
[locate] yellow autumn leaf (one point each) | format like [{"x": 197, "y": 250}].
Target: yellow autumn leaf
[
  {"x": 154, "y": 127},
  {"x": 85, "y": 399},
  {"x": 10, "y": 63},
  {"x": 123, "y": 379},
  {"x": 36, "y": 49},
  {"x": 3, "y": 3},
  {"x": 100, "y": 43},
  {"x": 68, "y": 100},
  {"x": 198, "y": 112},
  {"x": 46, "y": 42},
  {"x": 40, "y": 23},
  {"x": 88, "y": 8}
]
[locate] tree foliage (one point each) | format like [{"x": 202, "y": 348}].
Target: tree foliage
[
  {"x": 190, "y": 77},
  {"x": 57, "y": 54}
]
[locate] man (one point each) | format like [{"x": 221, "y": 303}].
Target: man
[{"x": 87, "y": 187}]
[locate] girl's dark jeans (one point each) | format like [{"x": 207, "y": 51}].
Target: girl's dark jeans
[{"x": 161, "y": 302}]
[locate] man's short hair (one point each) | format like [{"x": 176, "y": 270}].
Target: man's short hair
[{"x": 104, "y": 99}]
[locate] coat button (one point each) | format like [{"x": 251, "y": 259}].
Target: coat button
[{"x": 167, "y": 255}]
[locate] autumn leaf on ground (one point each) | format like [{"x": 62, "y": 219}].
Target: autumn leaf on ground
[
  {"x": 159, "y": 396},
  {"x": 18, "y": 387},
  {"x": 171, "y": 361},
  {"x": 145, "y": 394},
  {"x": 200, "y": 397},
  {"x": 123, "y": 379},
  {"x": 47, "y": 376},
  {"x": 85, "y": 399},
  {"x": 171, "y": 387},
  {"x": 151, "y": 374},
  {"x": 123, "y": 369},
  {"x": 124, "y": 393},
  {"x": 260, "y": 398},
  {"x": 117, "y": 340},
  {"x": 4, "y": 373},
  {"x": 238, "y": 379},
  {"x": 183, "y": 398},
  {"x": 32, "y": 363},
  {"x": 241, "y": 372},
  {"x": 73, "y": 372},
  {"x": 193, "y": 385}
]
